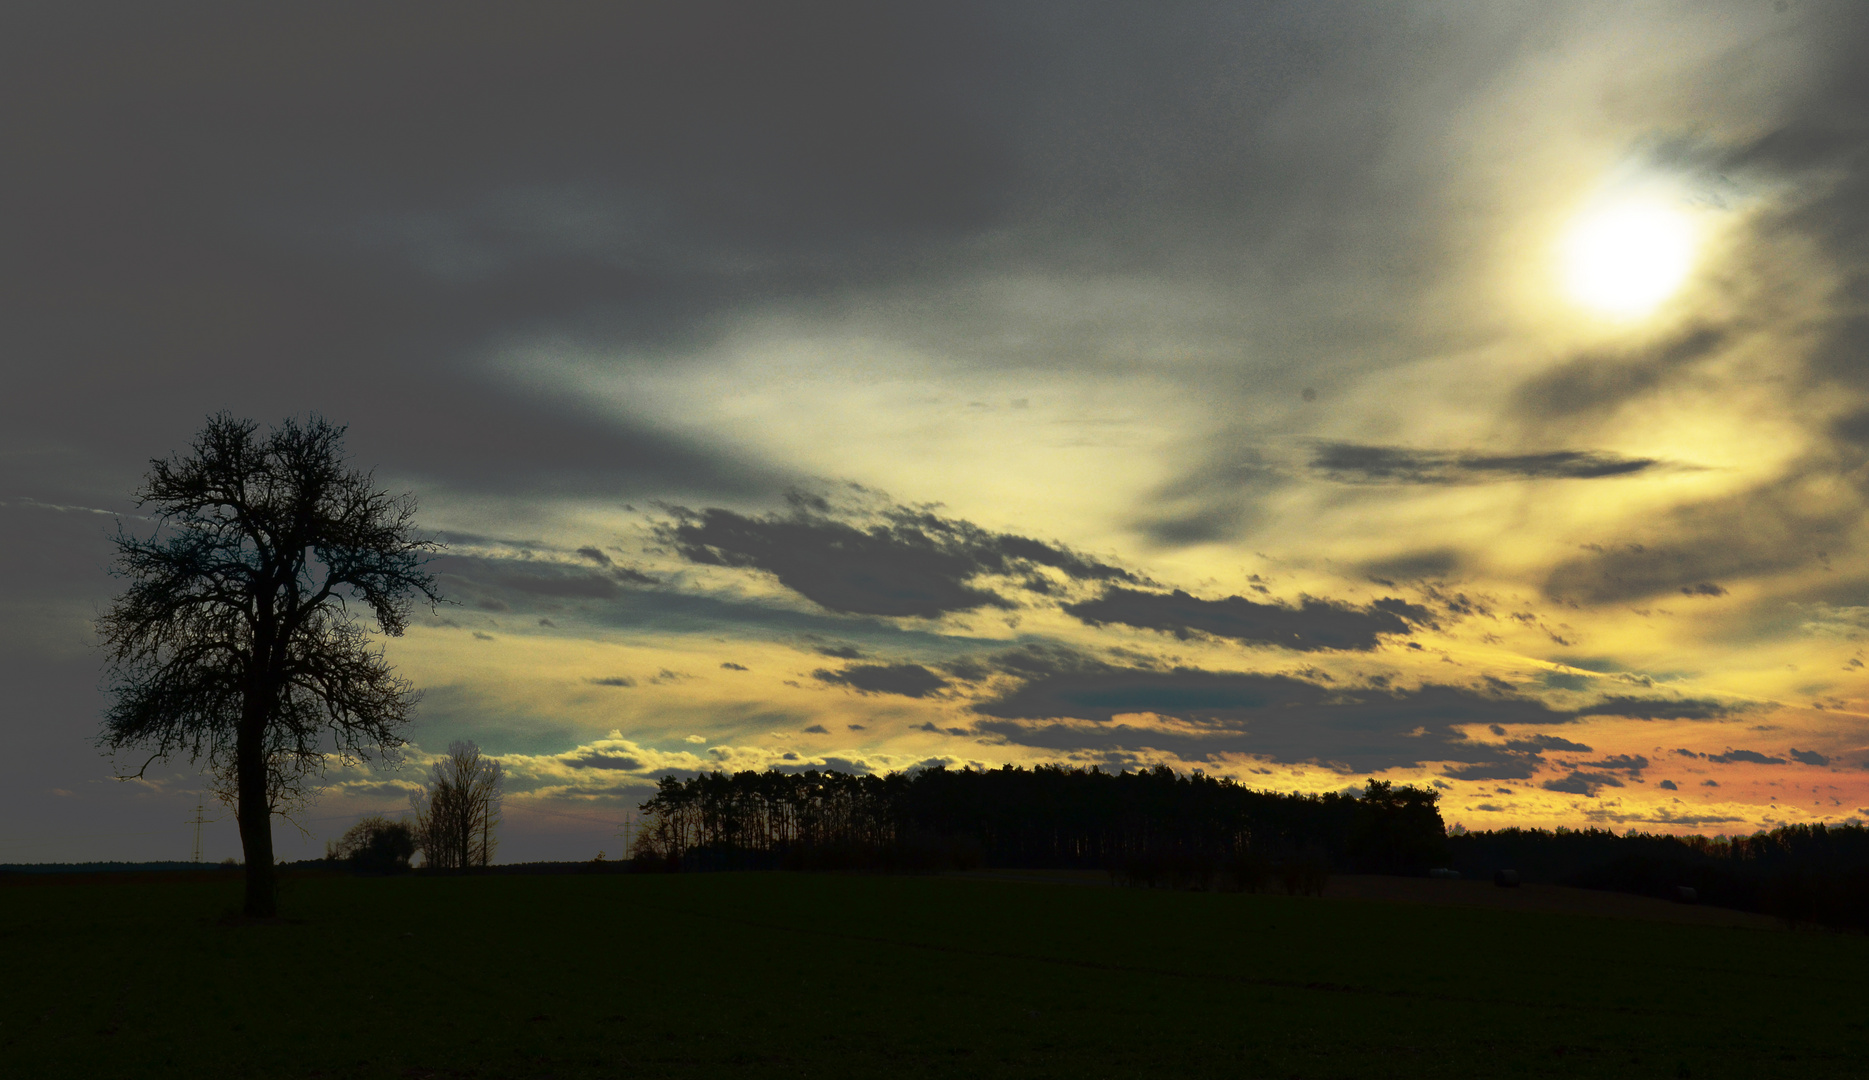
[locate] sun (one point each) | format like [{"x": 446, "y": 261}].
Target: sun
[{"x": 1624, "y": 258}]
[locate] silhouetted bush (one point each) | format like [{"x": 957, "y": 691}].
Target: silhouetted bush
[{"x": 375, "y": 845}]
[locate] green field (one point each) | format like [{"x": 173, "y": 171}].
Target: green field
[{"x": 830, "y": 975}]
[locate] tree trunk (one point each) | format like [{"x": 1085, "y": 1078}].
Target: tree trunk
[{"x": 255, "y": 814}]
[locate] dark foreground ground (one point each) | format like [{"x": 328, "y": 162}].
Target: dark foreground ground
[
  {"x": 1556, "y": 899},
  {"x": 827, "y": 975}
]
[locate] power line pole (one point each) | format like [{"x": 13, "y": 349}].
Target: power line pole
[
  {"x": 628, "y": 833},
  {"x": 198, "y": 822}
]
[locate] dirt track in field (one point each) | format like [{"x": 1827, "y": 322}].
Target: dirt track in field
[{"x": 1373, "y": 887}]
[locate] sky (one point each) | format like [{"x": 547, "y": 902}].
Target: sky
[{"x": 1452, "y": 394}]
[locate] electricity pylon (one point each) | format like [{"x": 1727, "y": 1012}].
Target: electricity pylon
[{"x": 198, "y": 822}]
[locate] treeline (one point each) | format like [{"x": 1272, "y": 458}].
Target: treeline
[
  {"x": 1153, "y": 826},
  {"x": 1814, "y": 874},
  {"x": 1159, "y": 827}
]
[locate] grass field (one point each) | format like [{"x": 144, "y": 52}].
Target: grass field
[{"x": 828, "y": 975}]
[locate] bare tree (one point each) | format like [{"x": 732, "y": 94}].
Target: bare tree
[
  {"x": 457, "y": 817},
  {"x": 236, "y": 642}
]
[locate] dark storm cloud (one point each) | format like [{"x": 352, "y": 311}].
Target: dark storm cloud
[
  {"x": 1581, "y": 783},
  {"x": 1808, "y": 757},
  {"x": 618, "y": 597},
  {"x": 1065, "y": 700},
  {"x": 1539, "y": 743},
  {"x": 1514, "y": 768},
  {"x": 908, "y": 562},
  {"x": 1031, "y": 660},
  {"x": 482, "y": 589},
  {"x": 1629, "y": 763},
  {"x": 1311, "y": 626},
  {"x": 1358, "y": 464},
  {"x": 1636, "y": 708},
  {"x": 1280, "y": 717},
  {"x": 1750, "y": 756},
  {"x": 907, "y": 680}
]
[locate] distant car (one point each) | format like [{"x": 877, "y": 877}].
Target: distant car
[{"x": 1444, "y": 873}]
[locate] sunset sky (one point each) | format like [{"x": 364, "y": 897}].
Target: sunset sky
[{"x": 1473, "y": 395}]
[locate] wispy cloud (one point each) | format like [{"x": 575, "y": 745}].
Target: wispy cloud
[{"x": 1359, "y": 464}]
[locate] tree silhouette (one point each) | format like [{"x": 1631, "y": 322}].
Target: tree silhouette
[
  {"x": 457, "y": 816},
  {"x": 237, "y": 643}
]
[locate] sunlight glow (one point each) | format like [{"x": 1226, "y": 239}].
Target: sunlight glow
[{"x": 1625, "y": 258}]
